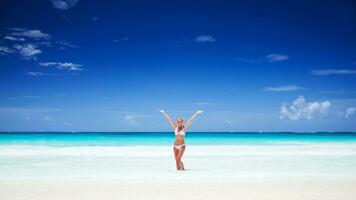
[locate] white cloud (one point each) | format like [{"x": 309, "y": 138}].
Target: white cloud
[
  {"x": 14, "y": 38},
  {"x": 333, "y": 91},
  {"x": 326, "y": 72},
  {"x": 65, "y": 66},
  {"x": 60, "y": 95},
  {"x": 35, "y": 34},
  {"x": 16, "y": 29},
  {"x": 64, "y": 4},
  {"x": 284, "y": 88},
  {"x": 122, "y": 39},
  {"x": 229, "y": 122},
  {"x": 35, "y": 73},
  {"x": 252, "y": 61},
  {"x": 27, "y": 50},
  {"x": 48, "y": 119},
  {"x": 276, "y": 57},
  {"x": 36, "y": 41},
  {"x": 27, "y": 110},
  {"x": 66, "y": 44},
  {"x": 268, "y": 58},
  {"x": 129, "y": 119},
  {"x": 350, "y": 112},
  {"x": 30, "y": 96},
  {"x": 5, "y": 50},
  {"x": 205, "y": 104},
  {"x": 300, "y": 109},
  {"x": 205, "y": 39},
  {"x": 45, "y": 43}
]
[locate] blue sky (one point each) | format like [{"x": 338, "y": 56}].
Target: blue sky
[{"x": 74, "y": 65}]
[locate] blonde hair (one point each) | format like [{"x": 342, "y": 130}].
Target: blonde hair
[{"x": 180, "y": 127}]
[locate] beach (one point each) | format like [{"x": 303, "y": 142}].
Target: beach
[
  {"x": 177, "y": 100},
  {"x": 141, "y": 165},
  {"x": 299, "y": 188}
]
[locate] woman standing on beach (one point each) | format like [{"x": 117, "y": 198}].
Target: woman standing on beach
[{"x": 179, "y": 130}]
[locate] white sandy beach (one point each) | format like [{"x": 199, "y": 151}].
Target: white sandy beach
[
  {"x": 308, "y": 171},
  {"x": 95, "y": 189}
]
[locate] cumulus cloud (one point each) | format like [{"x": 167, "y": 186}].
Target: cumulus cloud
[
  {"x": 27, "y": 51},
  {"x": 28, "y": 43},
  {"x": 300, "y": 109},
  {"x": 129, "y": 119},
  {"x": 284, "y": 88},
  {"x": 65, "y": 65},
  {"x": 276, "y": 57},
  {"x": 30, "y": 49},
  {"x": 327, "y": 72},
  {"x": 64, "y": 4},
  {"x": 205, "y": 39},
  {"x": 350, "y": 112},
  {"x": 37, "y": 36}
]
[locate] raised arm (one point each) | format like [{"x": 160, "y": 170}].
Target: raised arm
[
  {"x": 187, "y": 125},
  {"x": 169, "y": 118}
]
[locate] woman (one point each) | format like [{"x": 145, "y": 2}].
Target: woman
[{"x": 179, "y": 130}]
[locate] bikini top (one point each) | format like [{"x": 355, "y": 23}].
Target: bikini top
[{"x": 181, "y": 132}]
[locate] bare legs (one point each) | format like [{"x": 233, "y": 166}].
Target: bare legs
[
  {"x": 176, "y": 151},
  {"x": 178, "y": 154}
]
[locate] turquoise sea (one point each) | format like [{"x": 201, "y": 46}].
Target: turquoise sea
[
  {"x": 145, "y": 155},
  {"x": 166, "y": 138}
]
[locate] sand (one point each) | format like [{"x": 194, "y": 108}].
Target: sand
[{"x": 306, "y": 188}]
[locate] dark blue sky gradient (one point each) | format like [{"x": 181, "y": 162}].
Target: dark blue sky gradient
[{"x": 139, "y": 56}]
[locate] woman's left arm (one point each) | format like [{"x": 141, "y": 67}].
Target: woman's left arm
[{"x": 187, "y": 125}]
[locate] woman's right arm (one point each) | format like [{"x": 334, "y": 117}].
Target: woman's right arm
[{"x": 169, "y": 118}]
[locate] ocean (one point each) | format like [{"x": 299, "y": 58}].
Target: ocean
[{"x": 147, "y": 155}]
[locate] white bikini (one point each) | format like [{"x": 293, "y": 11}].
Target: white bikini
[{"x": 182, "y": 133}]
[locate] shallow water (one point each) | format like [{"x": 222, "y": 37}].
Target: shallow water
[{"x": 149, "y": 155}]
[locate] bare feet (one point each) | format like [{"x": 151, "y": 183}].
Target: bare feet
[{"x": 181, "y": 165}]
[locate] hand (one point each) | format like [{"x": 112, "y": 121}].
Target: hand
[
  {"x": 200, "y": 112},
  {"x": 162, "y": 111}
]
